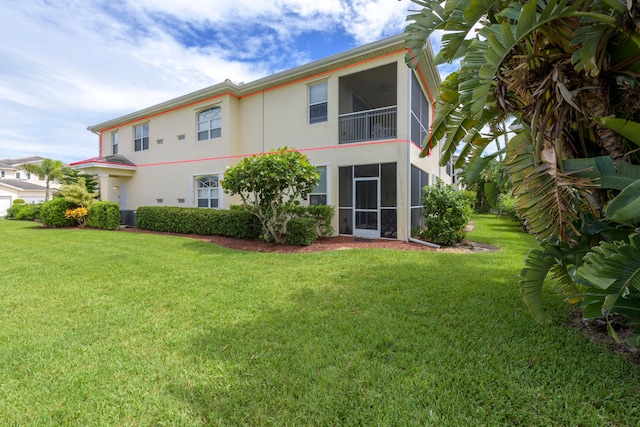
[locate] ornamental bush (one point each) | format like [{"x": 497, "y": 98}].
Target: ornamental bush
[
  {"x": 446, "y": 213},
  {"x": 507, "y": 206},
  {"x": 79, "y": 215},
  {"x": 24, "y": 212},
  {"x": 52, "y": 213},
  {"x": 271, "y": 185},
  {"x": 322, "y": 214},
  {"x": 104, "y": 215},
  {"x": 301, "y": 231}
]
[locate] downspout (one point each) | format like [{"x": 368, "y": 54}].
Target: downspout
[{"x": 422, "y": 242}]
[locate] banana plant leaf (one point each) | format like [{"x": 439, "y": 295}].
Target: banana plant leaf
[
  {"x": 625, "y": 207},
  {"x": 604, "y": 171},
  {"x": 626, "y": 128}
]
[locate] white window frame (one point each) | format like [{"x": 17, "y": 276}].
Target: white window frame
[
  {"x": 196, "y": 191},
  {"x": 212, "y": 126},
  {"x": 326, "y": 188},
  {"x": 315, "y": 100},
  {"x": 114, "y": 142},
  {"x": 144, "y": 138}
]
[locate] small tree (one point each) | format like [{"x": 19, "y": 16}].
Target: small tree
[
  {"x": 446, "y": 213},
  {"x": 78, "y": 194},
  {"x": 71, "y": 176},
  {"x": 48, "y": 169},
  {"x": 270, "y": 186}
]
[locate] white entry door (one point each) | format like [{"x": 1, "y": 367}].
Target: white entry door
[
  {"x": 123, "y": 196},
  {"x": 366, "y": 200}
]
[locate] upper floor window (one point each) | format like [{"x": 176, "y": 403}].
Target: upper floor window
[
  {"x": 114, "y": 143},
  {"x": 318, "y": 195},
  {"x": 141, "y": 138},
  {"x": 17, "y": 175},
  {"x": 210, "y": 123},
  {"x": 318, "y": 102},
  {"x": 208, "y": 191},
  {"x": 1, "y": 174}
]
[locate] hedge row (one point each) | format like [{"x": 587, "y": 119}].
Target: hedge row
[{"x": 235, "y": 223}]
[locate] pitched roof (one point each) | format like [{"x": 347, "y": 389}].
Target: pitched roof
[
  {"x": 12, "y": 163},
  {"x": 387, "y": 46},
  {"x": 110, "y": 160},
  {"x": 22, "y": 185}
]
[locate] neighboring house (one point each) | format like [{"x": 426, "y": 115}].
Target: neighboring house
[
  {"x": 18, "y": 184},
  {"x": 360, "y": 116}
]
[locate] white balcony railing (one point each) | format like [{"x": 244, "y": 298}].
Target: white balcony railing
[{"x": 369, "y": 125}]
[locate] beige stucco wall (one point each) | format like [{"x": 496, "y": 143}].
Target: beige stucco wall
[{"x": 258, "y": 122}]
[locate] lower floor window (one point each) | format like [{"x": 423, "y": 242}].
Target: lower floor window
[
  {"x": 318, "y": 195},
  {"x": 208, "y": 192}
]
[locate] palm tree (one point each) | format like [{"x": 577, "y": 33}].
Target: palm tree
[
  {"x": 47, "y": 169},
  {"x": 566, "y": 74}
]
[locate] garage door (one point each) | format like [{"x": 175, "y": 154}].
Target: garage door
[{"x": 5, "y": 203}]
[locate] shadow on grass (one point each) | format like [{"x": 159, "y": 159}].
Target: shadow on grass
[{"x": 380, "y": 345}]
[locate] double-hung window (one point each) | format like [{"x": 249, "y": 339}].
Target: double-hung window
[
  {"x": 141, "y": 137},
  {"x": 114, "y": 143},
  {"x": 208, "y": 188},
  {"x": 210, "y": 123},
  {"x": 318, "y": 102},
  {"x": 318, "y": 195}
]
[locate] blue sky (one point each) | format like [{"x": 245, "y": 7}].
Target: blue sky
[{"x": 68, "y": 64}]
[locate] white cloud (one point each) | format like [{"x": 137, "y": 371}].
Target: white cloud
[{"x": 69, "y": 64}]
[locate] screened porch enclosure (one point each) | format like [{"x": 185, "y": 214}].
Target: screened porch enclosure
[
  {"x": 368, "y": 200},
  {"x": 368, "y": 105}
]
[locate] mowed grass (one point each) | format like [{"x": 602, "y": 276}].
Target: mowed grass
[{"x": 103, "y": 328}]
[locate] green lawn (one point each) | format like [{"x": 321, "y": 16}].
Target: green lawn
[{"x": 106, "y": 328}]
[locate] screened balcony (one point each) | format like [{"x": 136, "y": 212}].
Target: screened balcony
[
  {"x": 368, "y": 105},
  {"x": 369, "y": 125}
]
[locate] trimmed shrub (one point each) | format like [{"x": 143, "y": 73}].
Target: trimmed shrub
[
  {"x": 446, "y": 213},
  {"x": 301, "y": 231},
  {"x": 507, "y": 206},
  {"x": 52, "y": 213},
  {"x": 230, "y": 223},
  {"x": 104, "y": 215},
  {"x": 322, "y": 214},
  {"x": 24, "y": 212}
]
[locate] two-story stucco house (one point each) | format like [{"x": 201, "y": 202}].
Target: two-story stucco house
[
  {"x": 360, "y": 116},
  {"x": 18, "y": 184}
]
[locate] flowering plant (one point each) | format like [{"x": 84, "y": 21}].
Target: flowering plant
[{"x": 77, "y": 214}]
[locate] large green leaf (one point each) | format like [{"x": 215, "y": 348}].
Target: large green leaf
[
  {"x": 607, "y": 174},
  {"x": 625, "y": 207},
  {"x": 626, "y": 128},
  {"x": 479, "y": 164}
]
